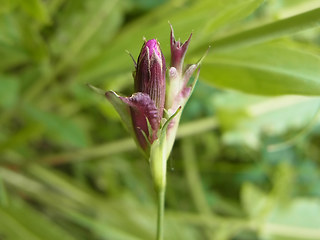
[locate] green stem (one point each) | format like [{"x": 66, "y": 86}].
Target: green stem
[{"x": 161, "y": 200}]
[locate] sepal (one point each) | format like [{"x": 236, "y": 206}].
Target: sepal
[
  {"x": 159, "y": 155},
  {"x": 96, "y": 90},
  {"x": 178, "y": 51},
  {"x": 122, "y": 108},
  {"x": 139, "y": 115},
  {"x": 178, "y": 87}
]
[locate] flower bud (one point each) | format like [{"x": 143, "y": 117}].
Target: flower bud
[
  {"x": 150, "y": 76},
  {"x": 147, "y": 103},
  {"x": 178, "y": 51}
]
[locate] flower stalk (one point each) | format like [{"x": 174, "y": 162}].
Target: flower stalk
[{"x": 160, "y": 218}]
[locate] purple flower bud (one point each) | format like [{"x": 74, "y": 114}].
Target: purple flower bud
[
  {"x": 150, "y": 88},
  {"x": 178, "y": 51},
  {"x": 150, "y": 76}
]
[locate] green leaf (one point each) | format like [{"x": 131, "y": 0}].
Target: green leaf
[
  {"x": 65, "y": 131},
  {"x": 7, "y": 5},
  {"x": 201, "y": 17},
  {"x": 12, "y": 51},
  {"x": 253, "y": 199},
  {"x": 299, "y": 220},
  {"x": 36, "y": 9},
  {"x": 4, "y": 201},
  {"x": 99, "y": 21},
  {"x": 25, "y": 223},
  {"x": 245, "y": 118},
  {"x": 269, "y": 31},
  {"x": 267, "y": 69},
  {"x": 9, "y": 91},
  {"x": 122, "y": 215}
]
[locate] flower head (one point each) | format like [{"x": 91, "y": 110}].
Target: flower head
[
  {"x": 145, "y": 106},
  {"x": 143, "y": 114}
]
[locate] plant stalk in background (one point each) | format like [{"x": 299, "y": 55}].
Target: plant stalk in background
[{"x": 153, "y": 112}]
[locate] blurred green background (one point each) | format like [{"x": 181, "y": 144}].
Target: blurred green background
[{"x": 245, "y": 165}]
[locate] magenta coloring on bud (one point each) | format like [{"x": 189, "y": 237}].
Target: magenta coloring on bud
[
  {"x": 150, "y": 79},
  {"x": 151, "y": 46},
  {"x": 178, "y": 51},
  {"x": 150, "y": 74},
  {"x": 142, "y": 108}
]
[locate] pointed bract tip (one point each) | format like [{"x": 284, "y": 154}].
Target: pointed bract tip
[
  {"x": 95, "y": 89},
  {"x": 203, "y": 57},
  {"x": 176, "y": 43},
  {"x": 178, "y": 51},
  {"x": 134, "y": 61}
]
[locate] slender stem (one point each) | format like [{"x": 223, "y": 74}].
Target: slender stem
[{"x": 161, "y": 199}]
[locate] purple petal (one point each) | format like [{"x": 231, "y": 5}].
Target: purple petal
[
  {"x": 153, "y": 47},
  {"x": 142, "y": 108}
]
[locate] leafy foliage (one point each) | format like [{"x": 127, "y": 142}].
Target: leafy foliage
[{"x": 246, "y": 165}]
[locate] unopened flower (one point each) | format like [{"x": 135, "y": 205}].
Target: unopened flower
[
  {"x": 143, "y": 111},
  {"x": 179, "y": 87},
  {"x": 150, "y": 85},
  {"x": 153, "y": 112}
]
